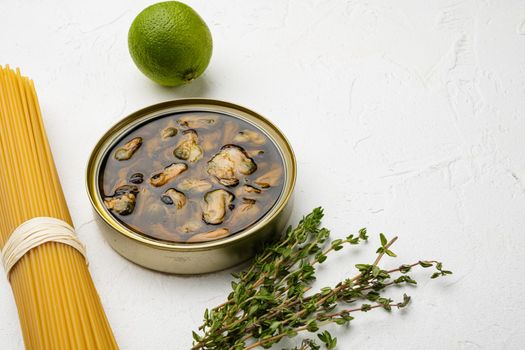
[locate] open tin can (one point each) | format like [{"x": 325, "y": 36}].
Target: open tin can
[{"x": 192, "y": 258}]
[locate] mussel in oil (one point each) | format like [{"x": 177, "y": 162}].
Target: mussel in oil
[
  {"x": 136, "y": 178},
  {"x": 216, "y": 204},
  {"x": 247, "y": 204},
  {"x": 209, "y": 236},
  {"x": 168, "y": 132},
  {"x": 250, "y": 189},
  {"x": 189, "y": 148},
  {"x": 256, "y": 153},
  {"x": 168, "y": 174},
  {"x": 194, "y": 185},
  {"x": 126, "y": 152},
  {"x": 194, "y": 122},
  {"x": 174, "y": 197},
  {"x": 250, "y": 136},
  {"x": 191, "y": 226},
  {"x": 269, "y": 179},
  {"x": 123, "y": 200},
  {"x": 229, "y": 163},
  {"x": 246, "y": 211}
]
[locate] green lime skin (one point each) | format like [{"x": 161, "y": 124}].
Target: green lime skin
[{"x": 170, "y": 43}]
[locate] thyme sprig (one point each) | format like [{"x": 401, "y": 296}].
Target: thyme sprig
[{"x": 270, "y": 300}]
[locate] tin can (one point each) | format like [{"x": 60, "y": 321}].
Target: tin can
[{"x": 192, "y": 258}]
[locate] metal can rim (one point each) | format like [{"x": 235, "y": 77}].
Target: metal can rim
[{"x": 147, "y": 113}]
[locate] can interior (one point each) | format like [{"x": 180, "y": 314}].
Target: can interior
[
  {"x": 138, "y": 120},
  {"x": 135, "y": 128}
]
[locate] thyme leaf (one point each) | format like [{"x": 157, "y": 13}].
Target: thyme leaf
[{"x": 273, "y": 299}]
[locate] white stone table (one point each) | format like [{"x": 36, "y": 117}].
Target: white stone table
[{"x": 407, "y": 117}]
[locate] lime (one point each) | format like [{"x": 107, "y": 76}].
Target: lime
[{"x": 170, "y": 43}]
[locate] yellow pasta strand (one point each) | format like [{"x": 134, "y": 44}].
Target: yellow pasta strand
[{"x": 57, "y": 302}]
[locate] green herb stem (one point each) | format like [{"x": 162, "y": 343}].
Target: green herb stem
[{"x": 268, "y": 301}]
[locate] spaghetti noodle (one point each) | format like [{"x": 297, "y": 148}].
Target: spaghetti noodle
[{"x": 57, "y": 302}]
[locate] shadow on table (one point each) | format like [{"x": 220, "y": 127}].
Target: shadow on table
[{"x": 197, "y": 88}]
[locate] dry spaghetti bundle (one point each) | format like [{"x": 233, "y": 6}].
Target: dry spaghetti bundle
[{"x": 57, "y": 302}]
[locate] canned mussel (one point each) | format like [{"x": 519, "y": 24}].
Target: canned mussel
[{"x": 192, "y": 186}]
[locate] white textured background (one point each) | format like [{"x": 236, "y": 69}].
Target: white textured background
[{"x": 406, "y": 116}]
